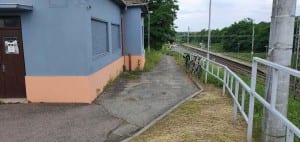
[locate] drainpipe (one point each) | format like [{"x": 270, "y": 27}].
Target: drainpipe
[
  {"x": 123, "y": 36},
  {"x": 129, "y": 56}
]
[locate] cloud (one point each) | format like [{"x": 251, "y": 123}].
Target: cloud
[{"x": 194, "y": 13}]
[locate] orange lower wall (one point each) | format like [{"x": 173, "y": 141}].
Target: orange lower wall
[
  {"x": 77, "y": 89},
  {"x": 137, "y": 62},
  {"x": 71, "y": 89}
]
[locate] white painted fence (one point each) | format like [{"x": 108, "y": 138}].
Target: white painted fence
[{"x": 233, "y": 83}]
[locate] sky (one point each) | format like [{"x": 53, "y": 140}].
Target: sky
[{"x": 194, "y": 13}]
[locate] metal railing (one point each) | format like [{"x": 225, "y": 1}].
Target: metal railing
[{"x": 236, "y": 87}]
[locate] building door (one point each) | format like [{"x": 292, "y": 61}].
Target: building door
[{"x": 12, "y": 68}]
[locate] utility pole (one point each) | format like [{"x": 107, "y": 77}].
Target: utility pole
[
  {"x": 298, "y": 44},
  {"x": 209, "y": 30},
  {"x": 280, "y": 52},
  {"x": 208, "y": 40},
  {"x": 252, "y": 43},
  {"x": 149, "y": 31},
  {"x": 188, "y": 35},
  {"x": 239, "y": 44}
]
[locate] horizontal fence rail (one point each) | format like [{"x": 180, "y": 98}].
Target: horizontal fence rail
[{"x": 239, "y": 90}]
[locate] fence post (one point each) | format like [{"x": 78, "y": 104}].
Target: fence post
[
  {"x": 243, "y": 99},
  {"x": 224, "y": 82},
  {"x": 252, "y": 101},
  {"x": 180, "y": 56},
  {"x": 231, "y": 83},
  {"x": 228, "y": 78},
  {"x": 207, "y": 69},
  {"x": 274, "y": 88},
  {"x": 289, "y": 135},
  {"x": 235, "y": 99},
  {"x": 218, "y": 72}
]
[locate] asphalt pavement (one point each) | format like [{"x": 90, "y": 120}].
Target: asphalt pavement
[{"x": 126, "y": 107}]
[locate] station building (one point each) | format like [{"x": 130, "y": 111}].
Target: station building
[{"x": 66, "y": 51}]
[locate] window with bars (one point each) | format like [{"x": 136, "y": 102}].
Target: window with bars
[
  {"x": 99, "y": 37},
  {"x": 116, "y": 38}
]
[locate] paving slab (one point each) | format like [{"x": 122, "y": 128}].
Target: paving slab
[{"x": 126, "y": 107}]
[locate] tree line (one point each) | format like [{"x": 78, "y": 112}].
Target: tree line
[
  {"x": 236, "y": 36},
  {"x": 239, "y": 34}
]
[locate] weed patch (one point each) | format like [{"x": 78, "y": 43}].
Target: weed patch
[
  {"x": 152, "y": 58},
  {"x": 131, "y": 75},
  {"x": 108, "y": 85}
]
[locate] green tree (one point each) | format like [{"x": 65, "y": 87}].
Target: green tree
[
  {"x": 262, "y": 32},
  {"x": 238, "y": 36},
  {"x": 164, "y": 12}
]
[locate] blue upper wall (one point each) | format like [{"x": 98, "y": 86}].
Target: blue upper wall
[
  {"x": 57, "y": 36},
  {"x": 134, "y": 31},
  {"x": 110, "y": 13}
]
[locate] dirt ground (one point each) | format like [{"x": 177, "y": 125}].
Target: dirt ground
[{"x": 205, "y": 118}]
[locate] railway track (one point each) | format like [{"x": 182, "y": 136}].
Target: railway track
[
  {"x": 242, "y": 68},
  {"x": 235, "y": 66}
]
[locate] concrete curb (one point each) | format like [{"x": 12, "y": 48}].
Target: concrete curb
[
  {"x": 14, "y": 101},
  {"x": 166, "y": 113}
]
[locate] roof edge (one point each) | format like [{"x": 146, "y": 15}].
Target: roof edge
[
  {"x": 137, "y": 4},
  {"x": 120, "y": 2},
  {"x": 144, "y": 6},
  {"x": 16, "y": 6}
]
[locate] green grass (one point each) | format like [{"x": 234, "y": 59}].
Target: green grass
[
  {"x": 293, "y": 106},
  {"x": 244, "y": 56},
  {"x": 294, "y": 59},
  {"x": 152, "y": 58},
  {"x": 294, "y": 113},
  {"x": 293, "y": 109},
  {"x": 215, "y": 47}
]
